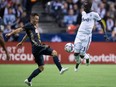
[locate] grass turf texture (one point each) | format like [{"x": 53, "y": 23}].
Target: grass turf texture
[{"x": 87, "y": 76}]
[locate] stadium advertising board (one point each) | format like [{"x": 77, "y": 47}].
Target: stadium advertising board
[{"x": 100, "y": 53}]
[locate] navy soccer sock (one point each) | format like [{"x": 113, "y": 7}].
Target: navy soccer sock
[
  {"x": 57, "y": 62},
  {"x": 34, "y": 74}
]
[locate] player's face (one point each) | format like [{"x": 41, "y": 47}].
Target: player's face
[
  {"x": 87, "y": 4},
  {"x": 35, "y": 19}
]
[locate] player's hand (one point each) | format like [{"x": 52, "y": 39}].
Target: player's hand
[
  {"x": 106, "y": 37},
  {"x": 8, "y": 35},
  {"x": 19, "y": 44}
]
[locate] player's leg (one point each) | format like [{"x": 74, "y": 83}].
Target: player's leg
[
  {"x": 78, "y": 61},
  {"x": 2, "y": 43},
  {"x": 50, "y": 51},
  {"x": 77, "y": 47},
  {"x": 57, "y": 62},
  {"x": 85, "y": 47},
  {"x": 87, "y": 57},
  {"x": 40, "y": 61},
  {"x": 28, "y": 81}
]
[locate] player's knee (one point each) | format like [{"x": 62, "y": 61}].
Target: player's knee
[
  {"x": 54, "y": 53},
  {"x": 76, "y": 54},
  {"x": 78, "y": 62},
  {"x": 41, "y": 68},
  {"x": 82, "y": 56}
]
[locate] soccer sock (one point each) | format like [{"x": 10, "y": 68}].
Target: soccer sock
[
  {"x": 87, "y": 58},
  {"x": 77, "y": 65},
  {"x": 57, "y": 62},
  {"x": 78, "y": 61},
  {"x": 87, "y": 61},
  {"x": 34, "y": 74}
]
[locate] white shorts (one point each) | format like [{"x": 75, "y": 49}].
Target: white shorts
[{"x": 82, "y": 43}]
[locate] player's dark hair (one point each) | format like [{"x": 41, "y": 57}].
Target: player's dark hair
[{"x": 34, "y": 14}]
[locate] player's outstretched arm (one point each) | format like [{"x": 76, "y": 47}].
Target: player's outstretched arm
[
  {"x": 104, "y": 30},
  {"x": 24, "y": 38},
  {"x": 14, "y": 32}
]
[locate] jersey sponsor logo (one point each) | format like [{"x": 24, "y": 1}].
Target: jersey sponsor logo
[{"x": 86, "y": 19}]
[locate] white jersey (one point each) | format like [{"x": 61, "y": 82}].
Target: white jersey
[
  {"x": 88, "y": 21},
  {"x": 84, "y": 35}
]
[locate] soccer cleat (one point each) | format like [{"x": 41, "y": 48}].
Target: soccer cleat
[
  {"x": 75, "y": 69},
  {"x": 27, "y": 82},
  {"x": 63, "y": 70}
]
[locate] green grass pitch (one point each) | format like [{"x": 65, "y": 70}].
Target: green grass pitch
[{"x": 87, "y": 76}]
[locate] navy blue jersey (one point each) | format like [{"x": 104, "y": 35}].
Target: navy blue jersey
[
  {"x": 33, "y": 36},
  {"x": 38, "y": 49}
]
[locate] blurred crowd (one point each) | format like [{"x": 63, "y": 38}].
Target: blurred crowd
[
  {"x": 14, "y": 14},
  {"x": 67, "y": 13}
]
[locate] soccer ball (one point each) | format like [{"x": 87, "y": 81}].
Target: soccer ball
[{"x": 69, "y": 47}]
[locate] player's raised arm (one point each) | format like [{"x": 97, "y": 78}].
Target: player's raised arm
[
  {"x": 24, "y": 38},
  {"x": 14, "y": 31},
  {"x": 104, "y": 30}
]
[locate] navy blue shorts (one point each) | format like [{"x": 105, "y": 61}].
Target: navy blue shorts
[{"x": 38, "y": 53}]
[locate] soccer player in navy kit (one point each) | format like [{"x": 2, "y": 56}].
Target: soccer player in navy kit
[{"x": 38, "y": 49}]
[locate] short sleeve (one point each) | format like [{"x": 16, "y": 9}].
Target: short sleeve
[
  {"x": 26, "y": 26},
  {"x": 97, "y": 17},
  {"x": 83, "y": 12}
]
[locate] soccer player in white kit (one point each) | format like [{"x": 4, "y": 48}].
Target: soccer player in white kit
[{"x": 84, "y": 34}]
